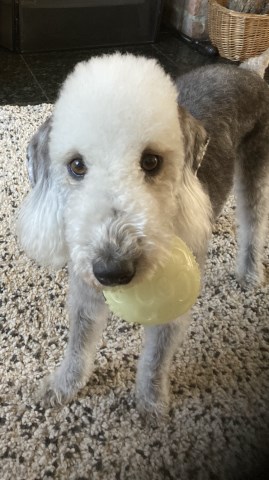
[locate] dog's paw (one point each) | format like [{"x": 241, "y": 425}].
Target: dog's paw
[
  {"x": 249, "y": 271},
  {"x": 57, "y": 389},
  {"x": 50, "y": 395},
  {"x": 151, "y": 411},
  {"x": 249, "y": 279},
  {"x": 152, "y": 404}
]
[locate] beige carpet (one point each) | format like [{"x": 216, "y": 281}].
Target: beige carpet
[{"x": 219, "y": 417}]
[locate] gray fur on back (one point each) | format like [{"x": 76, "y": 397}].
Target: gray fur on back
[{"x": 231, "y": 103}]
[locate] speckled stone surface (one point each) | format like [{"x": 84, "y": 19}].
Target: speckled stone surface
[{"x": 219, "y": 418}]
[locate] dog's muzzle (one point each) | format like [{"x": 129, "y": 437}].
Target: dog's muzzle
[{"x": 113, "y": 272}]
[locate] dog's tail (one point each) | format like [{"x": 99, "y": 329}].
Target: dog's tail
[{"x": 257, "y": 64}]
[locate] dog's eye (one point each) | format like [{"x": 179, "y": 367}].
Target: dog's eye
[
  {"x": 151, "y": 163},
  {"x": 77, "y": 168}
]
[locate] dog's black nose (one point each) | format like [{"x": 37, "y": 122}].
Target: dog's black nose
[{"x": 113, "y": 273}]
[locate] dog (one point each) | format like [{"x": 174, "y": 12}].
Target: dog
[{"x": 128, "y": 159}]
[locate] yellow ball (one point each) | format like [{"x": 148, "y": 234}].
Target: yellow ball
[{"x": 168, "y": 294}]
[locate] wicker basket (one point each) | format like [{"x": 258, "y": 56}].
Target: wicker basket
[{"x": 237, "y": 36}]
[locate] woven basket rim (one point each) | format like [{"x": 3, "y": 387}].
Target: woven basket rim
[{"x": 233, "y": 13}]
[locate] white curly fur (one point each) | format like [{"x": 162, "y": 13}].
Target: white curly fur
[{"x": 103, "y": 122}]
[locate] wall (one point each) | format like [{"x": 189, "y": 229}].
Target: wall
[{"x": 188, "y": 17}]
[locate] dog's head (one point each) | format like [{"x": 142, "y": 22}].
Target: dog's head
[{"x": 112, "y": 172}]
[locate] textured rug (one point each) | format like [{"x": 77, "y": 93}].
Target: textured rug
[{"x": 219, "y": 417}]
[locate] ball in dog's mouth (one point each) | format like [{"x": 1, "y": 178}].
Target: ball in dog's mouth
[{"x": 171, "y": 292}]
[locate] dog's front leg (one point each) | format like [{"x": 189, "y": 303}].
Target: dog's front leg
[
  {"x": 88, "y": 314},
  {"x": 152, "y": 384}
]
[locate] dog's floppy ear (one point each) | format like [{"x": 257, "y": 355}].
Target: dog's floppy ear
[
  {"x": 38, "y": 160},
  {"x": 195, "y": 139},
  {"x": 40, "y": 223}
]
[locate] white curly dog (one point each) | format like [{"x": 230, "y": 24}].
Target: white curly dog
[{"x": 127, "y": 160}]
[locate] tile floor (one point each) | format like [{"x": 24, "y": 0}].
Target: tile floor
[{"x": 34, "y": 78}]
